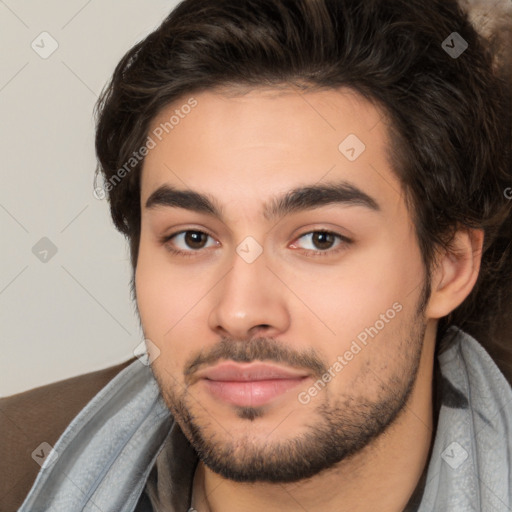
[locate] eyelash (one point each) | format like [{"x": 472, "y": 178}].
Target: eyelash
[{"x": 192, "y": 253}]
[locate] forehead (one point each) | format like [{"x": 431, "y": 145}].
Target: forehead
[{"x": 267, "y": 141}]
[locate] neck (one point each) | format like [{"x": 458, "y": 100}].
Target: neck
[{"x": 361, "y": 483}]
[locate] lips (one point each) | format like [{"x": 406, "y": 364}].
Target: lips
[
  {"x": 249, "y": 384},
  {"x": 229, "y": 371}
]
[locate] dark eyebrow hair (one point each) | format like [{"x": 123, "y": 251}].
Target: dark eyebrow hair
[
  {"x": 314, "y": 196},
  {"x": 166, "y": 195},
  {"x": 298, "y": 199}
]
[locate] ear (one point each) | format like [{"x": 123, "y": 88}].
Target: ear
[{"x": 455, "y": 273}]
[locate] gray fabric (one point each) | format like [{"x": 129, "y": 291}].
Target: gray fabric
[
  {"x": 169, "y": 486},
  {"x": 477, "y": 415},
  {"x": 107, "y": 454}
]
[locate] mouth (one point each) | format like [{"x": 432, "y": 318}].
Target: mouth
[{"x": 249, "y": 385}]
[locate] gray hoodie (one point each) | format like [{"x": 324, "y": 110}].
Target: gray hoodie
[{"x": 107, "y": 458}]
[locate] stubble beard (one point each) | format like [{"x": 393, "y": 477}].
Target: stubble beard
[{"x": 338, "y": 428}]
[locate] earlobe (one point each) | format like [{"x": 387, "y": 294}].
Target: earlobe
[{"x": 456, "y": 273}]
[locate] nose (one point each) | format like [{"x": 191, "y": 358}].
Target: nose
[{"x": 249, "y": 301}]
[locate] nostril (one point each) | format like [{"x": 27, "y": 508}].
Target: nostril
[{"x": 260, "y": 327}]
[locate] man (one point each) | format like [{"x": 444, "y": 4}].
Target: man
[{"x": 315, "y": 196}]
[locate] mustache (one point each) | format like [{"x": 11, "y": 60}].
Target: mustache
[{"x": 256, "y": 349}]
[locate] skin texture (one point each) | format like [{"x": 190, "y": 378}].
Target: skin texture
[{"x": 369, "y": 429}]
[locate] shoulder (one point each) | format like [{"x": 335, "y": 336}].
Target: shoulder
[{"x": 39, "y": 416}]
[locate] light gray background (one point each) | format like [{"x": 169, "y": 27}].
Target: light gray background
[{"x": 73, "y": 313}]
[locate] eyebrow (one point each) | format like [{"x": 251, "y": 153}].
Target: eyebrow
[{"x": 295, "y": 200}]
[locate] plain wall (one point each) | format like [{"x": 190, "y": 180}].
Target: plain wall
[{"x": 73, "y": 313}]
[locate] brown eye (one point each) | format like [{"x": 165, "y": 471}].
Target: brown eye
[
  {"x": 188, "y": 242},
  {"x": 323, "y": 240},
  {"x": 322, "y": 243},
  {"x": 195, "y": 239}
]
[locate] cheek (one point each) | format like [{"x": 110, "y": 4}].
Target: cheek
[
  {"x": 352, "y": 295},
  {"x": 169, "y": 300},
  {"x": 149, "y": 288},
  {"x": 361, "y": 308},
  {"x": 160, "y": 313},
  {"x": 161, "y": 299},
  {"x": 160, "y": 286}
]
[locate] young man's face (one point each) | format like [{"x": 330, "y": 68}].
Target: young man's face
[{"x": 321, "y": 331}]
